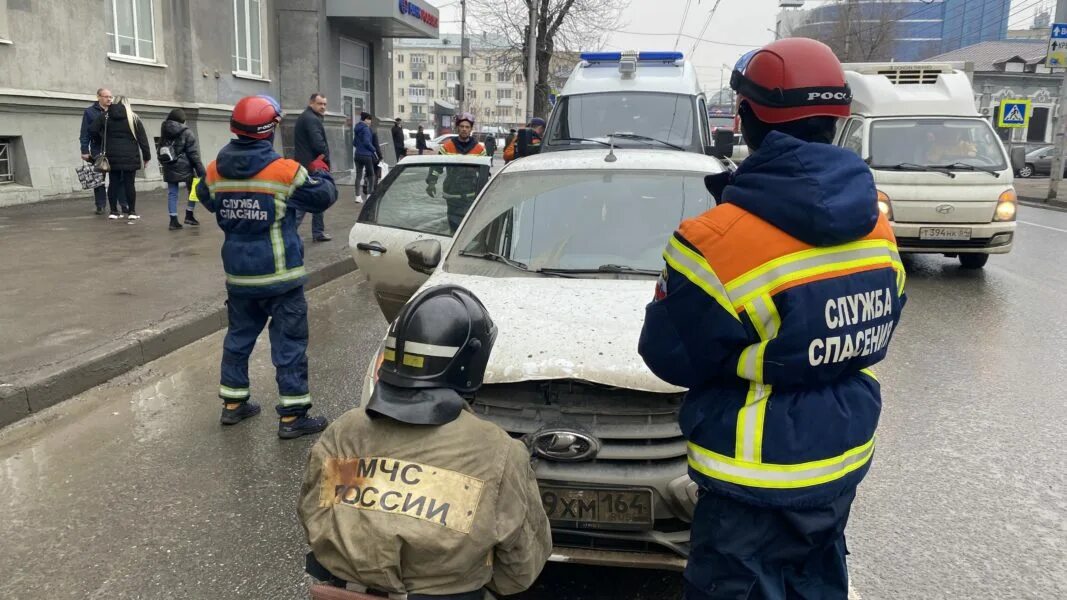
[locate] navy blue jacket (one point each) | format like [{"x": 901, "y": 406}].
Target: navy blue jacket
[
  {"x": 255, "y": 194},
  {"x": 771, "y": 308},
  {"x": 88, "y": 146},
  {"x": 363, "y": 140}
]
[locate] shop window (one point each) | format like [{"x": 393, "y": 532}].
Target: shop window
[
  {"x": 1035, "y": 131},
  {"x": 7, "y": 168},
  {"x": 248, "y": 37},
  {"x": 131, "y": 28}
]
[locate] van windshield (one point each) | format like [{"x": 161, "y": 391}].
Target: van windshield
[
  {"x": 665, "y": 117},
  {"x": 932, "y": 142}
]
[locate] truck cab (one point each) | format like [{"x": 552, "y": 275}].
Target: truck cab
[
  {"x": 944, "y": 179},
  {"x": 632, "y": 100}
]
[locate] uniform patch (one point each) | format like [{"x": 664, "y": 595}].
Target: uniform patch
[
  {"x": 661, "y": 286},
  {"x": 424, "y": 492}
]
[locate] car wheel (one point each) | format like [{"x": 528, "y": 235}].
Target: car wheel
[
  {"x": 1026, "y": 171},
  {"x": 973, "y": 261}
]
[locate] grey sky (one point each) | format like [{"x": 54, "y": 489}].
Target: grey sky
[{"x": 736, "y": 27}]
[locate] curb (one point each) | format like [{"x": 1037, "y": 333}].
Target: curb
[
  {"x": 22, "y": 399},
  {"x": 1055, "y": 205}
]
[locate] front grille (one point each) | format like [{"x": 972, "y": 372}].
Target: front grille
[
  {"x": 911, "y": 76},
  {"x": 633, "y": 427},
  {"x": 906, "y": 242},
  {"x": 567, "y": 539}
]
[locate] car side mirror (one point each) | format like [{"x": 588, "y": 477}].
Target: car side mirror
[
  {"x": 423, "y": 255},
  {"x": 724, "y": 144},
  {"x": 525, "y": 144}
]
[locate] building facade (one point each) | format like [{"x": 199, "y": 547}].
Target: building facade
[
  {"x": 426, "y": 76},
  {"x": 199, "y": 55},
  {"x": 913, "y": 28}
]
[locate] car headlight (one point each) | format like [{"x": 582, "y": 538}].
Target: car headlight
[
  {"x": 1006, "y": 206},
  {"x": 884, "y": 206}
]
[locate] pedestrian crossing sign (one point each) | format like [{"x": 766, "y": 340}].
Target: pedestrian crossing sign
[{"x": 1014, "y": 113}]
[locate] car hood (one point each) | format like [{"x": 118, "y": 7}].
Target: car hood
[{"x": 553, "y": 328}]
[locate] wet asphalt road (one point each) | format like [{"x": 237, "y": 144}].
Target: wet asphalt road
[{"x": 132, "y": 490}]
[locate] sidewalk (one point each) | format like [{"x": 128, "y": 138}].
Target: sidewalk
[
  {"x": 1034, "y": 191},
  {"x": 86, "y": 298}
]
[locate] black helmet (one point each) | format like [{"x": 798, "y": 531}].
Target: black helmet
[{"x": 441, "y": 339}]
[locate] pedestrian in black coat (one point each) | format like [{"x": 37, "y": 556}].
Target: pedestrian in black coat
[
  {"x": 186, "y": 164},
  {"x": 420, "y": 140},
  {"x": 398, "y": 140},
  {"x": 309, "y": 143},
  {"x": 122, "y": 139}
]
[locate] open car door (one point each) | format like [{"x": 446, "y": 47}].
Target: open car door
[{"x": 422, "y": 197}]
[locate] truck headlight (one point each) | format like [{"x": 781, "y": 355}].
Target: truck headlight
[
  {"x": 1006, "y": 206},
  {"x": 884, "y": 206}
]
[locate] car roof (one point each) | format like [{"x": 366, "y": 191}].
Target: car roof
[
  {"x": 627, "y": 159},
  {"x": 678, "y": 78},
  {"x": 436, "y": 159}
]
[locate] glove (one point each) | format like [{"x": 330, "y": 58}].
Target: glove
[
  {"x": 319, "y": 164},
  {"x": 431, "y": 190},
  {"x": 717, "y": 183}
]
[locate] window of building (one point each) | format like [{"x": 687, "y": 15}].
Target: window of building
[
  {"x": 399, "y": 91},
  {"x": 131, "y": 28},
  {"x": 418, "y": 59},
  {"x": 489, "y": 78},
  {"x": 401, "y": 109},
  {"x": 430, "y": 92},
  {"x": 5, "y": 33},
  {"x": 7, "y": 170},
  {"x": 417, "y": 92},
  {"x": 518, "y": 94},
  {"x": 504, "y": 111},
  {"x": 488, "y": 94},
  {"x": 1035, "y": 131},
  {"x": 416, "y": 75},
  {"x": 430, "y": 59},
  {"x": 430, "y": 75},
  {"x": 502, "y": 77},
  {"x": 248, "y": 37},
  {"x": 503, "y": 94},
  {"x": 518, "y": 78},
  {"x": 399, "y": 58},
  {"x": 457, "y": 59},
  {"x": 474, "y": 76},
  {"x": 399, "y": 74}
]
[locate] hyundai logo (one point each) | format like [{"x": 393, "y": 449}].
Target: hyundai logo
[
  {"x": 565, "y": 445},
  {"x": 945, "y": 208}
]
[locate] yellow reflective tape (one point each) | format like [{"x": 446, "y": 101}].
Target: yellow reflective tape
[
  {"x": 869, "y": 373},
  {"x": 299, "y": 179},
  {"x": 251, "y": 186},
  {"x": 294, "y": 400},
  {"x": 748, "y": 418},
  {"x": 811, "y": 272},
  {"x": 255, "y": 280},
  {"x": 236, "y": 393},
  {"x": 414, "y": 360},
  {"x": 697, "y": 270},
  {"x": 390, "y": 355},
  {"x": 778, "y": 476}
]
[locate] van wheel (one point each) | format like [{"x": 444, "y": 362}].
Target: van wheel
[
  {"x": 1027, "y": 171},
  {"x": 973, "y": 261}
]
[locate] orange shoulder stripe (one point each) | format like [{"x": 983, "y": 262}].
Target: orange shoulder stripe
[{"x": 280, "y": 171}]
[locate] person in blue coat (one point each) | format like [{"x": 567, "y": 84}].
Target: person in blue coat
[
  {"x": 771, "y": 309},
  {"x": 255, "y": 194},
  {"x": 366, "y": 154}
]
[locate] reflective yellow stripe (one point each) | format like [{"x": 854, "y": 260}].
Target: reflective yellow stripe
[
  {"x": 766, "y": 320},
  {"x": 869, "y": 373},
  {"x": 724, "y": 468},
  {"x": 691, "y": 264},
  {"x": 276, "y": 242},
  {"x": 299, "y": 179},
  {"x": 236, "y": 393},
  {"x": 807, "y": 263},
  {"x": 254, "y": 280},
  {"x": 292, "y": 400},
  {"x": 749, "y": 434},
  {"x": 250, "y": 185}
]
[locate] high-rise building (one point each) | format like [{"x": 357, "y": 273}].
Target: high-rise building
[{"x": 866, "y": 30}]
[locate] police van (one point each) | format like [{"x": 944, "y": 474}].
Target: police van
[
  {"x": 633, "y": 99},
  {"x": 943, "y": 177}
]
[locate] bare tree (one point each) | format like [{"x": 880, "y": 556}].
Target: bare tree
[
  {"x": 562, "y": 25},
  {"x": 857, "y": 31}
]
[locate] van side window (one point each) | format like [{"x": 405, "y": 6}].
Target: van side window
[{"x": 853, "y": 139}]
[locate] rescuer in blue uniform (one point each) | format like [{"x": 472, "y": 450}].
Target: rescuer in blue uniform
[
  {"x": 771, "y": 308},
  {"x": 255, "y": 194}
]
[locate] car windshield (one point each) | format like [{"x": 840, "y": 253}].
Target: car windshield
[
  {"x": 665, "y": 117},
  {"x": 596, "y": 221},
  {"x": 404, "y": 199},
  {"x": 931, "y": 142}
]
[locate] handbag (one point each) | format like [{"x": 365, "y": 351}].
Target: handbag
[
  {"x": 89, "y": 177},
  {"x": 101, "y": 163}
]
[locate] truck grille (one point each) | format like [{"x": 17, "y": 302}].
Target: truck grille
[
  {"x": 633, "y": 427},
  {"x": 911, "y": 76}
]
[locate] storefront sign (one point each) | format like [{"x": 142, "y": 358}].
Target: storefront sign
[{"x": 407, "y": 7}]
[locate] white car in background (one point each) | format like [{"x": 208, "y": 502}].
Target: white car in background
[{"x": 564, "y": 250}]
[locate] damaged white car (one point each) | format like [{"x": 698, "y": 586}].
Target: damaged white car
[{"x": 564, "y": 250}]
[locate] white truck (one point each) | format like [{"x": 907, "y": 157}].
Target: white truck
[{"x": 943, "y": 176}]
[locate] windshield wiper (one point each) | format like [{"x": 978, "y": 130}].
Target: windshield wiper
[
  {"x": 968, "y": 167},
  {"x": 915, "y": 167},
  {"x": 611, "y": 268},
  {"x": 521, "y": 266},
  {"x": 634, "y": 136},
  {"x": 574, "y": 139}
]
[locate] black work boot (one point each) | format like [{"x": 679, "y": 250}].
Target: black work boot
[
  {"x": 174, "y": 224},
  {"x": 190, "y": 219},
  {"x": 235, "y": 412},
  {"x": 300, "y": 426}
]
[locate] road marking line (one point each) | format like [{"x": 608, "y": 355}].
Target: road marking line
[{"x": 1044, "y": 226}]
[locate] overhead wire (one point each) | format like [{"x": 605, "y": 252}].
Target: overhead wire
[{"x": 681, "y": 24}]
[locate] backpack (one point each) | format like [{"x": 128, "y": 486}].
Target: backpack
[{"x": 167, "y": 154}]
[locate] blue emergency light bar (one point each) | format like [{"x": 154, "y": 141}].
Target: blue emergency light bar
[{"x": 641, "y": 56}]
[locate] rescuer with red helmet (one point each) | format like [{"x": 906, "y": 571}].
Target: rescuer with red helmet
[
  {"x": 255, "y": 194},
  {"x": 771, "y": 309}
]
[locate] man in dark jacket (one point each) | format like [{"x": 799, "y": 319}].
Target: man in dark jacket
[
  {"x": 398, "y": 139},
  {"x": 366, "y": 153},
  {"x": 254, "y": 194},
  {"x": 89, "y": 150},
  {"x": 309, "y": 141},
  {"x": 420, "y": 141},
  {"x": 184, "y": 163}
]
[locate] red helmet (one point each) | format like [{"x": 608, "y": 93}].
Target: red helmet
[
  {"x": 792, "y": 79},
  {"x": 256, "y": 117}
]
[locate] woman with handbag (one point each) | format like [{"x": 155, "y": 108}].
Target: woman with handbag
[
  {"x": 179, "y": 155},
  {"x": 124, "y": 150}
]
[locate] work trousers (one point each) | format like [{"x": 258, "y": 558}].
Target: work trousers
[
  {"x": 740, "y": 551},
  {"x": 288, "y": 317}
]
